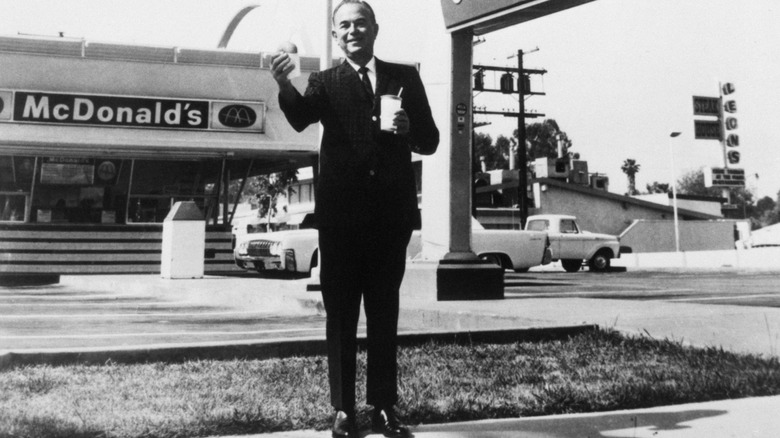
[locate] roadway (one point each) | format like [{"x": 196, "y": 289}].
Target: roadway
[{"x": 731, "y": 287}]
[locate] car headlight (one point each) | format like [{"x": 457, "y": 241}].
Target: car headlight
[
  {"x": 243, "y": 246},
  {"x": 276, "y": 249}
]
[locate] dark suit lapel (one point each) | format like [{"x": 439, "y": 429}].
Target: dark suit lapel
[
  {"x": 351, "y": 82},
  {"x": 386, "y": 82}
]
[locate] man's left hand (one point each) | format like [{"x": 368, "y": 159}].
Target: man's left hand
[{"x": 401, "y": 122}]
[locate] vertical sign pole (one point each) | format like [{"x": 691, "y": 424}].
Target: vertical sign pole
[
  {"x": 674, "y": 192},
  {"x": 722, "y": 120}
]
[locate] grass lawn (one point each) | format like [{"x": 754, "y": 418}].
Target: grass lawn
[{"x": 595, "y": 371}]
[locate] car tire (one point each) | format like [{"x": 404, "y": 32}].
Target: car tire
[
  {"x": 493, "y": 258},
  {"x": 571, "y": 265},
  {"x": 600, "y": 262}
]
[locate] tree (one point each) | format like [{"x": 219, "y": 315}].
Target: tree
[
  {"x": 631, "y": 168},
  {"x": 657, "y": 187},
  {"x": 692, "y": 183},
  {"x": 507, "y": 147},
  {"x": 542, "y": 140},
  {"x": 766, "y": 204},
  {"x": 768, "y": 211},
  {"x": 249, "y": 189},
  {"x": 270, "y": 188},
  {"x": 495, "y": 156}
]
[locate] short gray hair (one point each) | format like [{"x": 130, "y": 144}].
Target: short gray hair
[{"x": 361, "y": 3}]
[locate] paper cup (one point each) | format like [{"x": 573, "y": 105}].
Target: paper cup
[
  {"x": 292, "y": 51},
  {"x": 296, "y": 60},
  {"x": 390, "y": 104}
]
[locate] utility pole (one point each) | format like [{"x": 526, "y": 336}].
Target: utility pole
[
  {"x": 522, "y": 188},
  {"x": 522, "y": 91}
]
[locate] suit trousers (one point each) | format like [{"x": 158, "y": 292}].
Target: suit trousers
[{"x": 365, "y": 262}]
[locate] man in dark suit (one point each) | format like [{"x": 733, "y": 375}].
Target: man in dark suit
[{"x": 366, "y": 204}]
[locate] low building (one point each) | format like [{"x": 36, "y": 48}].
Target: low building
[
  {"x": 99, "y": 140},
  {"x": 644, "y": 226},
  {"x": 704, "y": 204}
]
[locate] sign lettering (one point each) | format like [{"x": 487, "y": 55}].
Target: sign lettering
[
  {"x": 136, "y": 112},
  {"x": 706, "y": 106},
  {"x": 110, "y": 110},
  {"x": 706, "y": 130},
  {"x": 722, "y": 129},
  {"x": 724, "y": 176}
]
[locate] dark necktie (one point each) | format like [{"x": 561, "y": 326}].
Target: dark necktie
[{"x": 366, "y": 81}]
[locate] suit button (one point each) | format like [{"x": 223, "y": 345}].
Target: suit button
[
  {"x": 373, "y": 118},
  {"x": 371, "y": 172}
]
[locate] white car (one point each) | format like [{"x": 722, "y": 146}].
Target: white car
[
  {"x": 296, "y": 251},
  {"x": 572, "y": 246},
  {"x": 293, "y": 251}
]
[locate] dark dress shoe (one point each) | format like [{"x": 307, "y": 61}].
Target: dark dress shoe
[
  {"x": 386, "y": 422},
  {"x": 344, "y": 426}
]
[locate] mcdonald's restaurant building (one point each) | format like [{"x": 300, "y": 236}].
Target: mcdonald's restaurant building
[{"x": 98, "y": 141}]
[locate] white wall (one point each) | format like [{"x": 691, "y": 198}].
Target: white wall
[
  {"x": 429, "y": 44},
  {"x": 756, "y": 258}
]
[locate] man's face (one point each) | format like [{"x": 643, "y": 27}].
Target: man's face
[{"x": 355, "y": 32}]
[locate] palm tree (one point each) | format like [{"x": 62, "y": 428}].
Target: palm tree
[{"x": 631, "y": 168}]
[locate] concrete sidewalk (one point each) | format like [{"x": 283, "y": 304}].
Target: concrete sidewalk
[{"x": 744, "y": 418}]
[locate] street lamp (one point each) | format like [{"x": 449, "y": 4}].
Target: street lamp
[{"x": 674, "y": 192}]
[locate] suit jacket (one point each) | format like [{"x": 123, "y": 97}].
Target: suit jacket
[{"x": 365, "y": 174}]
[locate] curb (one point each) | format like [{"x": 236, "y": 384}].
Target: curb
[{"x": 267, "y": 349}]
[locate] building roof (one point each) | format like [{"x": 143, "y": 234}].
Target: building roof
[{"x": 682, "y": 212}]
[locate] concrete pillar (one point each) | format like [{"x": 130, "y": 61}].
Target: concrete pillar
[
  {"x": 184, "y": 242},
  {"x": 448, "y": 265}
]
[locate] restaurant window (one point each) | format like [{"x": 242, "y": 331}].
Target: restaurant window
[
  {"x": 16, "y": 177},
  {"x": 301, "y": 192},
  {"x": 157, "y": 185},
  {"x": 79, "y": 190}
]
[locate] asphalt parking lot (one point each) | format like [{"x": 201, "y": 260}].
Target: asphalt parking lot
[
  {"x": 127, "y": 311},
  {"x": 726, "y": 287},
  {"x": 144, "y": 311}
]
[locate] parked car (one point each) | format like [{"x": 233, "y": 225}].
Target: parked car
[
  {"x": 293, "y": 251},
  {"x": 572, "y": 246},
  {"x": 296, "y": 251},
  {"x": 518, "y": 250}
]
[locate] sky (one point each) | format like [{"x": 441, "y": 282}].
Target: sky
[{"x": 620, "y": 74}]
